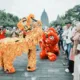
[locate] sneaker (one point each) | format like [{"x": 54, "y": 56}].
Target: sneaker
[
  {"x": 63, "y": 52},
  {"x": 67, "y": 70},
  {"x": 65, "y": 64}
]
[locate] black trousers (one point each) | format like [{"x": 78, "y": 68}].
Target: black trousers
[
  {"x": 60, "y": 44},
  {"x": 71, "y": 66}
]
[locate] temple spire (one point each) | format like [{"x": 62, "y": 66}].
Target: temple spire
[{"x": 44, "y": 19}]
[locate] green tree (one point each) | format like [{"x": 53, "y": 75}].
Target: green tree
[
  {"x": 70, "y": 15},
  {"x": 7, "y": 19}
]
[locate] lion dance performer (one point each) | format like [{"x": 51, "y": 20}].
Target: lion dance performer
[
  {"x": 10, "y": 48},
  {"x": 49, "y": 45}
]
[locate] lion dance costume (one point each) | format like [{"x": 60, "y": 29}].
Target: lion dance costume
[
  {"x": 49, "y": 45},
  {"x": 10, "y": 48}
]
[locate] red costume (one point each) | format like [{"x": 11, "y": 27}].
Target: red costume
[
  {"x": 2, "y": 34},
  {"x": 49, "y": 45}
]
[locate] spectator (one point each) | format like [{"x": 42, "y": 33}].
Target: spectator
[
  {"x": 64, "y": 39},
  {"x": 71, "y": 57},
  {"x": 76, "y": 51},
  {"x": 60, "y": 31},
  {"x": 14, "y": 34},
  {"x": 2, "y": 33},
  {"x": 68, "y": 35}
]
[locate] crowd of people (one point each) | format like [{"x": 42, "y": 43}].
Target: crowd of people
[
  {"x": 69, "y": 43},
  {"x": 13, "y": 32}
]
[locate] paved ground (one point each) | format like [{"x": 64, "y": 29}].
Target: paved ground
[{"x": 46, "y": 70}]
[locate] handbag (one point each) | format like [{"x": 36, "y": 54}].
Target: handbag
[
  {"x": 71, "y": 56},
  {"x": 78, "y": 47}
]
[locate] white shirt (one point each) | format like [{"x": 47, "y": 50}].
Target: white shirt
[{"x": 67, "y": 34}]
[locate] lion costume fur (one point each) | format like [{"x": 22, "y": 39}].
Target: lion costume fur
[
  {"x": 49, "y": 44},
  {"x": 10, "y": 48}
]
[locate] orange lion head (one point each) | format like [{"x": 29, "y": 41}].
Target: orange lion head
[
  {"x": 24, "y": 23},
  {"x": 27, "y": 23}
]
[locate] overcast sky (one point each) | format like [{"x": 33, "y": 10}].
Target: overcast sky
[{"x": 53, "y": 8}]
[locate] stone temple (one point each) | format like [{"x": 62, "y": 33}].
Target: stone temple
[{"x": 44, "y": 19}]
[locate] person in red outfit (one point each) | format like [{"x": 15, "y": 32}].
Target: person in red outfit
[
  {"x": 2, "y": 33},
  {"x": 49, "y": 44}
]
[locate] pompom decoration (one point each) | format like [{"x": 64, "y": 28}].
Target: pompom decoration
[{"x": 51, "y": 56}]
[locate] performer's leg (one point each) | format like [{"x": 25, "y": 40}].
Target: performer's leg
[
  {"x": 8, "y": 63},
  {"x": 1, "y": 61},
  {"x": 55, "y": 50},
  {"x": 51, "y": 56},
  {"x": 43, "y": 54},
  {"x": 32, "y": 59}
]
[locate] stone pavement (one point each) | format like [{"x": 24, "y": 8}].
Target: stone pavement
[{"x": 46, "y": 70}]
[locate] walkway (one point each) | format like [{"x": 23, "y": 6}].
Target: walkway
[{"x": 46, "y": 70}]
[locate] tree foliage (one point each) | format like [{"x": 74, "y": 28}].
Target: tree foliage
[
  {"x": 7, "y": 19},
  {"x": 70, "y": 15}
]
